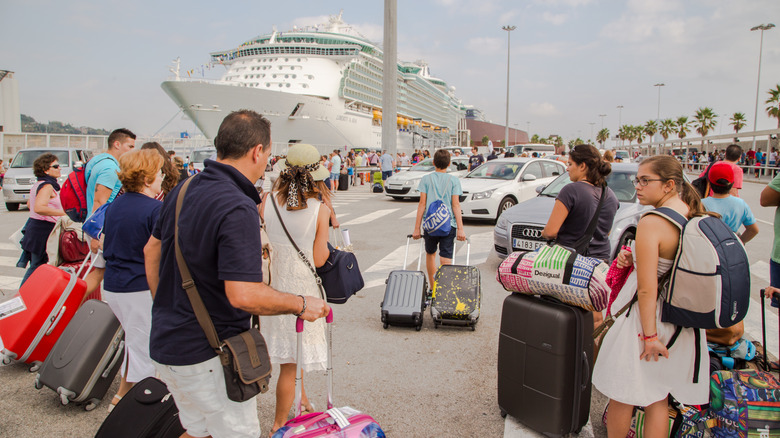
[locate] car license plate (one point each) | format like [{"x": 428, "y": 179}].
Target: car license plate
[{"x": 528, "y": 245}]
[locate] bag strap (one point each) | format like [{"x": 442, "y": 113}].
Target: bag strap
[
  {"x": 298, "y": 250},
  {"x": 188, "y": 284},
  {"x": 672, "y": 216},
  {"x": 581, "y": 246}
]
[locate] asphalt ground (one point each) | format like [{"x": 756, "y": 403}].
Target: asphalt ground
[{"x": 439, "y": 382}]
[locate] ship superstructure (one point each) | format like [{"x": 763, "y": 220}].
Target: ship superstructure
[{"x": 320, "y": 85}]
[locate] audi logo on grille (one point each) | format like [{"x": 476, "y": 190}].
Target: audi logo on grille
[{"x": 532, "y": 233}]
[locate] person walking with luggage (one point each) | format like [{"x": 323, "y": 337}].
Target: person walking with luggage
[
  {"x": 386, "y": 165},
  {"x": 734, "y": 211},
  {"x": 45, "y": 209},
  {"x": 335, "y": 170},
  {"x": 129, "y": 223},
  {"x": 103, "y": 186},
  {"x": 300, "y": 196},
  {"x": 439, "y": 186},
  {"x": 634, "y": 366},
  {"x": 219, "y": 240}
]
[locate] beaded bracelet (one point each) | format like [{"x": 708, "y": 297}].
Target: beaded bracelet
[
  {"x": 298, "y": 315},
  {"x": 651, "y": 337}
]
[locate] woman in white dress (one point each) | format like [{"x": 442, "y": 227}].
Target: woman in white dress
[
  {"x": 297, "y": 193},
  {"x": 634, "y": 367}
]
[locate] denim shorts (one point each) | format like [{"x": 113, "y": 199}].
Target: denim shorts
[
  {"x": 446, "y": 244},
  {"x": 335, "y": 176}
]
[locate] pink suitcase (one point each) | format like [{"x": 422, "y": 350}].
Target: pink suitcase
[{"x": 343, "y": 422}]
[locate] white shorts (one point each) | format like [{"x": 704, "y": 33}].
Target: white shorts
[
  {"x": 97, "y": 259},
  {"x": 204, "y": 408},
  {"x": 134, "y": 312}
]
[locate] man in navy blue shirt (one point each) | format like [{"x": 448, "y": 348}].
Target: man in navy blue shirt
[{"x": 219, "y": 236}]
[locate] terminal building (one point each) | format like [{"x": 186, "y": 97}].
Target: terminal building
[
  {"x": 479, "y": 127},
  {"x": 10, "y": 117}
]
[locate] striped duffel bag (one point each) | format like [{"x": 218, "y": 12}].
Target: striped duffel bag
[{"x": 559, "y": 272}]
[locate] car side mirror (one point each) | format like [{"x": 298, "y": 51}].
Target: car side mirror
[
  {"x": 540, "y": 188},
  {"x": 529, "y": 177}
]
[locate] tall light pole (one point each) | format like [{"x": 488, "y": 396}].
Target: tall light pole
[
  {"x": 602, "y": 120},
  {"x": 389, "y": 79},
  {"x": 659, "y": 85},
  {"x": 620, "y": 120},
  {"x": 515, "y": 132},
  {"x": 508, "y": 30},
  {"x": 762, "y": 28}
]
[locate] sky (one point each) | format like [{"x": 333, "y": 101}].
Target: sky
[{"x": 100, "y": 63}]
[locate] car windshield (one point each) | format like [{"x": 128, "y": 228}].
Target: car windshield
[
  {"x": 25, "y": 159},
  {"x": 621, "y": 183},
  {"x": 496, "y": 170},
  {"x": 621, "y": 154},
  {"x": 201, "y": 156},
  {"x": 425, "y": 165}
]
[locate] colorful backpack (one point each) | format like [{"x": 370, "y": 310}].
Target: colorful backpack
[
  {"x": 745, "y": 404},
  {"x": 708, "y": 286},
  {"x": 73, "y": 194}
]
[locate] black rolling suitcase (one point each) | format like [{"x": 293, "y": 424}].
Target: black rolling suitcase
[
  {"x": 545, "y": 358},
  {"x": 457, "y": 294},
  {"x": 405, "y": 294},
  {"x": 343, "y": 182},
  {"x": 146, "y": 411},
  {"x": 84, "y": 361}
]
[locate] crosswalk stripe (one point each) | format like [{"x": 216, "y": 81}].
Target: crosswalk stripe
[
  {"x": 8, "y": 261},
  {"x": 370, "y": 217},
  {"x": 761, "y": 270},
  {"x": 395, "y": 259},
  {"x": 9, "y": 247},
  {"x": 515, "y": 429},
  {"x": 9, "y": 282},
  {"x": 412, "y": 215}
]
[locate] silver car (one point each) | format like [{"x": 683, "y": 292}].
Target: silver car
[
  {"x": 520, "y": 227},
  {"x": 404, "y": 184}
]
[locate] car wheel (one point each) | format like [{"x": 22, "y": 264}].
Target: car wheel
[
  {"x": 505, "y": 205},
  {"x": 11, "y": 206}
]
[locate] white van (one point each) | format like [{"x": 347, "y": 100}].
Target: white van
[
  {"x": 542, "y": 149},
  {"x": 19, "y": 178}
]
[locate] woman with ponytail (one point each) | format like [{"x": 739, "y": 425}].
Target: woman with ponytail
[
  {"x": 634, "y": 366},
  {"x": 577, "y": 203}
]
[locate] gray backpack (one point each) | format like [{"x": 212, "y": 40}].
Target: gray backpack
[{"x": 708, "y": 285}]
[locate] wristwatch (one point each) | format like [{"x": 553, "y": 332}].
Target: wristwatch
[{"x": 298, "y": 315}]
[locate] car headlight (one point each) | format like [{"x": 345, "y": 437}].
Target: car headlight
[
  {"x": 503, "y": 222},
  {"x": 483, "y": 195},
  {"x": 7, "y": 180}
]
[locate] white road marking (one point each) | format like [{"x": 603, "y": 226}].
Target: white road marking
[
  {"x": 410, "y": 215},
  {"x": 761, "y": 270},
  {"x": 9, "y": 247},
  {"x": 374, "y": 283},
  {"x": 764, "y": 222},
  {"x": 753, "y": 325},
  {"x": 395, "y": 259},
  {"x": 9, "y": 282},
  {"x": 515, "y": 429},
  {"x": 8, "y": 261},
  {"x": 370, "y": 217}
]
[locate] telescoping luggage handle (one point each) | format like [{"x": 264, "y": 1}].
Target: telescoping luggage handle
[
  {"x": 299, "y": 359},
  {"x": 775, "y": 296},
  {"x": 406, "y": 255}
]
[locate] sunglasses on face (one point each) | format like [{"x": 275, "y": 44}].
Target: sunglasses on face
[{"x": 55, "y": 166}]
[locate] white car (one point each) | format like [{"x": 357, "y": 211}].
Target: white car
[
  {"x": 404, "y": 184},
  {"x": 499, "y": 184}
]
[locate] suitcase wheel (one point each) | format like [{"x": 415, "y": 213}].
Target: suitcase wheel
[
  {"x": 474, "y": 328},
  {"x": 418, "y": 328},
  {"x": 6, "y": 360},
  {"x": 436, "y": 325},
  {"x": 503, "y": 413},
  {"x": 38, "y": 384},
  {"x": 91, "y": 404},
  {"x": 34, "y": 367},
  {"x": 64, "y": 399},
  {"x": 385, "y": 325}
]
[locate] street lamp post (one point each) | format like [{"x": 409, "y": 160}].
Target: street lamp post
[
  {"x": 602, "y": 120},
  {"x": 762, "y": 28},
  {"x": 508, "y": 30},
  {"x": 620, "y": 120},
  {"x": 515, "y": 132},
  {"x": 658, "y": 116}
]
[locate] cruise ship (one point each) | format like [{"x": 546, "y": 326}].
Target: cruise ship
[{"x": 320, "y": 85}]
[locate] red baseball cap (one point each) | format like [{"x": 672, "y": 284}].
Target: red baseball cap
[{"x": 721, "y": 174}]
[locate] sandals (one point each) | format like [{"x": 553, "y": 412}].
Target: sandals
[{"x": 113, "y": 405}]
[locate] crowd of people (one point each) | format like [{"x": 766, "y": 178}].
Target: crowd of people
[{"x": 218, "y": 231}]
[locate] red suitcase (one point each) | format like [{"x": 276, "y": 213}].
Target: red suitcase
[{"x": 32, "y": 321}]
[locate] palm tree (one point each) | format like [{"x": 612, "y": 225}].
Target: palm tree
[
  {"x": 773, "y": 110},
  {"x": 683, "y": 127},
  {"x": 704, "y": 121},
  {"x": 639, "y": 132},
  {"x": 631, "y": 133},
  {"x": 622, "y": 132},
  {"x": 738, "y": 121},
  {"x": 602, "y": 136},
  {"x": 650, "y": 128},
  {"x": 667, "y": 127}
]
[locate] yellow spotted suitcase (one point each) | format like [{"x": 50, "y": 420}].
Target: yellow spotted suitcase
[{"x": 457, "y": 294}]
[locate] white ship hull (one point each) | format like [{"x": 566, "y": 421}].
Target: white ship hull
[{"x": 323, "y": 123}]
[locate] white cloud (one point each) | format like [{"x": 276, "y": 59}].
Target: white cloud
[
  {"x": 543, "y": 109},
  {"x": 570, "y": 3},
  {"x": 556, "y": 19},
  {"x": 486, "y": 45}
]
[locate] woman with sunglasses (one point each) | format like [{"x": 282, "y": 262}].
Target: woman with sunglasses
[
  {"x": 45, "y": 208},
  {"x": 129, "y": 222},
  {"x": 634, "y": 366}
]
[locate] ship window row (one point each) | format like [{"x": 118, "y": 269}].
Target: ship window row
[
  {"x": 298, "y": 51},
  {"x": 268, "y": 67},
  {"x": 273, "y": 76}
]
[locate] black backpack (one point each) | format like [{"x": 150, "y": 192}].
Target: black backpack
[
  {"x": 701, "y": 184},
  {"x": 377, "y": 188}
]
